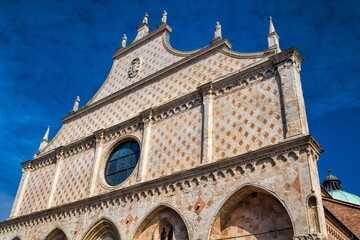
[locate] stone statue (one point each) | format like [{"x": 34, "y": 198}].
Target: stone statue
[
  {"x": 217, "y": 33},
  {"x": 145, "y": 18},
  {"x": 123, "y": 41},
  {"x": 76, "y": 104},
  {"x": 164, "y": 17}
]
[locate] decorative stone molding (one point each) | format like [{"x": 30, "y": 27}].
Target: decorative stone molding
[
  {"x": 123, "y": 129},
  {"x": 267, "y": 157},
  {"x": 311, "y": 236},
  {"x": 241, "y": 80},
  {"x": 290, "y": 54},
  {"x": 175, "y": 107},
  {"x": 43, "y": 161}
]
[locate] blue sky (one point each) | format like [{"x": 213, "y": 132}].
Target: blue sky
[{"x": 52, "y": 51}]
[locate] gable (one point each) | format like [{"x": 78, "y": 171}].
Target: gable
[{"x": 165, "y": 74}]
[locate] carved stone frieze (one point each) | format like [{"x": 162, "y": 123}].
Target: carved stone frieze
[{"x": 243, "y": 80}]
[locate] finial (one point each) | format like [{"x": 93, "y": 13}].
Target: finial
[
  {"x": 217, "y": 33},
  {"x": 123, "y": 41},
  {"x": 45, "y": 140},
  {"x": 329, "y": 171},
  {"x": 164, "y": 17},
  {"x": 46, "y": 136},
  {"x": 271, "y": 25},
  {"x": 145, "y": 18},
  {"x": 76, "y": 104},
  {"x": 273, "y": 38}
]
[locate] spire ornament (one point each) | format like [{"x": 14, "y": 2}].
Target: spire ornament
[
  {"x": 123, "y": 41},
  {"x": 45, "y": 140},
  {"x": 164, "y": 17},
  {"x": 273, "y": 37},
  {"x": 271, "y": 25}
]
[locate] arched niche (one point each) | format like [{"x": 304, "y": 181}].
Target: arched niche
[
  {"x": 102, "y": 230},
  {"x": 163, "y": 223},
  {"x": 313, "y": 215},
  {"x": 252, "y": 213},
  {"x": 16, "y": 238},
  {"x": 56, "y": 234}
]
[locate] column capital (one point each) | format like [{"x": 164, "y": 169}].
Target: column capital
[{"x": 206, "y": 90}]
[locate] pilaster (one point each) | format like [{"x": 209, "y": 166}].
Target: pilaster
[
  {"x": 207, "y": 93},
  {"x": 59, "y": 162},
  {"x": 19, "y": 195},
  {"x": 99, "y": 146},
  {"x": 145, "y": 145},
  {"x": 288, "y": 68}
]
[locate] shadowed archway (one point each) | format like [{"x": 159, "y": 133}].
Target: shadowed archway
[
  {"x": 56, "y": 234},
  {"x": 252, "y": 213},
  {"x": 102, "y": 230},
  {"x": 163, "y": 223}
]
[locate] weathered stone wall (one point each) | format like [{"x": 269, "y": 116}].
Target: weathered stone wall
[
  {"x": 74, "y": 178},
  {"x": 36, "y": 192},
  {"x": 175, "y": 144},
  {"x": 197, "y": 196},
  {"x": 247, "y": 119}
]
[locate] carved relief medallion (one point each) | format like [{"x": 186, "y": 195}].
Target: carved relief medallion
[{"x": 134, "y": 68}]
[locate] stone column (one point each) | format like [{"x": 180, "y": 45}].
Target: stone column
[
  {"x": 19, "y": 195},
  {"x": 288, "y": 67},
  {"x": 207, "y": 93},
  {"x": 99, "y": 146},
  {"x": 59, "y": 162},
  {"x": 145, "y": 145}
]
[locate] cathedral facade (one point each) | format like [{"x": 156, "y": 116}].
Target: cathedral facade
[{"x": 201, "y": 145}]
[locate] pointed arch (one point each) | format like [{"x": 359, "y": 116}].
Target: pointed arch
[
  {"x": 104, "y": 229},
  {"x": 162, "y": 223},
  {"x": 56, "y": 234},
  {"x": 251, "y": 212}
]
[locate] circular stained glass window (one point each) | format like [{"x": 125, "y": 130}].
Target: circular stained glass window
[{"x": 122, "y": 162}]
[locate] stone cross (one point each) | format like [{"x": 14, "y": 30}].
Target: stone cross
[
  {"x": 123, "y": 41},
  {"x": 217, "y": 33},
  {"x": 76, "y": 104},
  {"x": 164, "y": 17},
  {"x": 145, "y": 18}
]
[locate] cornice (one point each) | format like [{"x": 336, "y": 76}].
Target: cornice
[
  {"x": 257, "y": 160},
  {"x": 167, "y": 46},
  {"x": 238, "y": 55},
  {"x": 289, "y": 54}
]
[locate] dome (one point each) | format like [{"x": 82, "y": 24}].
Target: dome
[{"x": 345, "y": 196}]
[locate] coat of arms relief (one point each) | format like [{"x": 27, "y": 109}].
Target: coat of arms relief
[{"x": 134, "y": 67}]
